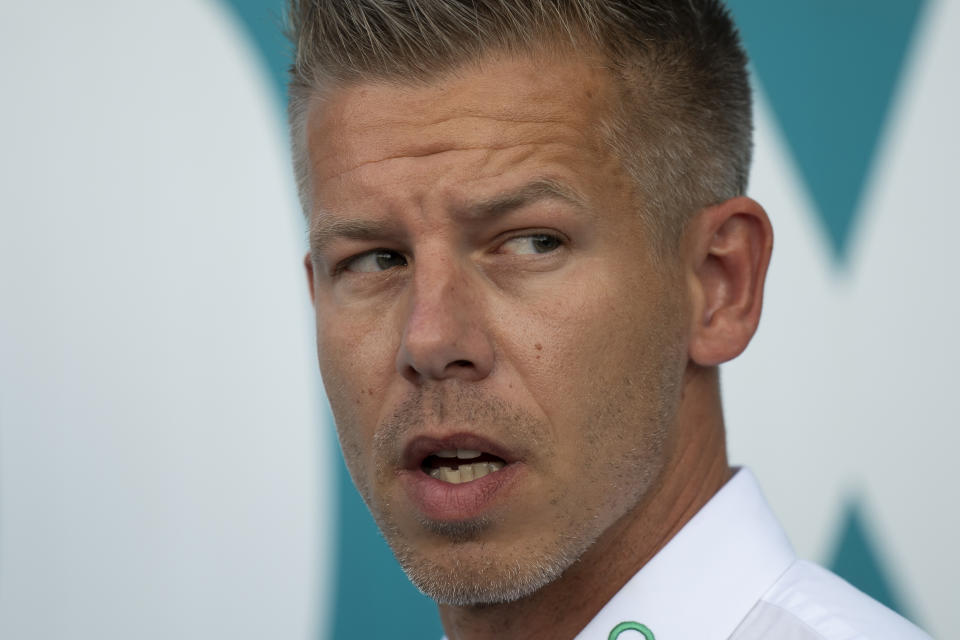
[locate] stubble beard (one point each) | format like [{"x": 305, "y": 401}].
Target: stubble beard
[
  {"x": 470, "y": 577},
  {"x": 466, "y": 573},
  {"x": 469, "y": 572}
]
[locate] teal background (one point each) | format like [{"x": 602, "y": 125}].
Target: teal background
[{"x": 831, "y": 69}]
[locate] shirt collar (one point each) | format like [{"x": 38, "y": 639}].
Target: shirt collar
[{"x": 708, "y": 576}]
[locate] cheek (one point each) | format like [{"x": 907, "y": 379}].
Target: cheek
[
  {"x": 349, "y": 390},
  {"x": 601, "y": 352},
  {"x": 356, "y": 360}
]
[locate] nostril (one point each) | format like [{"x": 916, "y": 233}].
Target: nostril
[{"x": 461, "y": 363}]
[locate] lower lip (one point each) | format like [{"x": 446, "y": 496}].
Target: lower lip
[{"x": 439, "y": 500}]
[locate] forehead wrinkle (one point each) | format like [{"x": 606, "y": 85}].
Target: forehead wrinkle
[
  {"x": 441, "y": 148},
  {"x": 391, "y": 138},
  {"x": 406, "y": 155}
]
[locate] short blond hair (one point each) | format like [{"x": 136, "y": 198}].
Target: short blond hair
[{"x": 684, "y": 126}]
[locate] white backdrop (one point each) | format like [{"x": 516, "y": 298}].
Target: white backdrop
[
  {"x": 849, "y": 389},
  {"x": 161, "y": 471}
]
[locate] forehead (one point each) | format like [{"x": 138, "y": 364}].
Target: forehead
[{"x": 503, "y": 101}]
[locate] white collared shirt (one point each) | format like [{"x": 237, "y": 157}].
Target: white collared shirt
[{"x": 731, "y": 574}]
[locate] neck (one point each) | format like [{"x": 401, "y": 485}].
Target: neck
[{"x": 695, "y": 470}]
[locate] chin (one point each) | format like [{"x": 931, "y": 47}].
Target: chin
[
  {"x": 481, "y": 581},
  {"x": 466, "y": 571}
]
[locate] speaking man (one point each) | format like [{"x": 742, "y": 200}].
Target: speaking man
[{"x": 529, "y": 252}]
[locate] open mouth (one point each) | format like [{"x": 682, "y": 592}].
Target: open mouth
[
  {"x": 457, "y": 466},
  {"x": 460, "y": 475}
]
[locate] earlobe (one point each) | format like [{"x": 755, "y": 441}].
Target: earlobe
[
  {"x": 308, "y": 264},
  {"x": 728, "y": 250}
]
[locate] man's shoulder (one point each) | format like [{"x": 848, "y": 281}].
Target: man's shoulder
[{"x": 810, "y": 603}]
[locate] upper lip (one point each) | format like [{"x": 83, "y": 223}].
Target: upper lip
[{"x": 420, "y": 447}]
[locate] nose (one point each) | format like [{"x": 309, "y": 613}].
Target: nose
[{"x": 445, "y": 333}]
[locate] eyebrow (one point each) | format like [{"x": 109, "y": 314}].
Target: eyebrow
[
  {"x": 326, "y": 228},
  {"x": 539, "y": 189}
]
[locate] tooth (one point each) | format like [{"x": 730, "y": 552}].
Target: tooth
[
  {"x": 466, "y": 454},
  {"x": 451, "y": 475},
  {"x": 447, "y": 453},
  {"x": 466, "y": 472}
]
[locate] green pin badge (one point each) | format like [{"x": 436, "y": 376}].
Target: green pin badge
[{"x": 630, "y": 626}]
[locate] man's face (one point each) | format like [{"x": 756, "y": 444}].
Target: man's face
[{"x": 484, "y": 286}]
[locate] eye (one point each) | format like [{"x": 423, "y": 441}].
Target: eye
[
  {"x": 531, "y": 244},
  {"x": 374, "y": 261}
]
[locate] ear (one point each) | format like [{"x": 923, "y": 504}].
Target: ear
[
  {"x": 308, "y": 264},
  {"x": 726, "y": 253}
]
